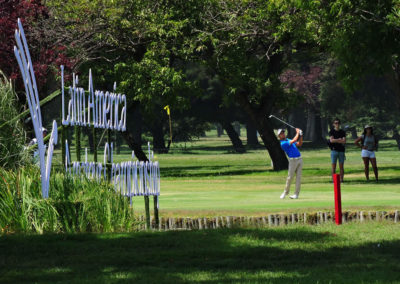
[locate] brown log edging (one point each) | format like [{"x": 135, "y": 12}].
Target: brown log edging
[{"x": 270, "y": 220}]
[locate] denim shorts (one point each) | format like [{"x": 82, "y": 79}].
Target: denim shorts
[{"x": 335, "y": 155}]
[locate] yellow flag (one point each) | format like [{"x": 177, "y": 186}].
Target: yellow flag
[{"x": 167, "y": 109}]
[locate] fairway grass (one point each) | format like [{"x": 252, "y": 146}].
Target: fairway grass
[
  {"x": 206, "y": 178},
  {"x": 352, "y": 253}
]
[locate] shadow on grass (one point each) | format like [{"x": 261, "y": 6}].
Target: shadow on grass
[
  {"x": 385, "y": 180},
  {"x": 218, "y": 256},
  {"x": 206, "y": 171},
  {"x": 353, "y": 170}
]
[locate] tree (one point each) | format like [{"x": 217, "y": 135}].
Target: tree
[
  {"x": 305, "y": 80},
  {"x": 363, "y": 36},
  {"x": 248, "y": 44},
  {"x": 46, "y": 55}
]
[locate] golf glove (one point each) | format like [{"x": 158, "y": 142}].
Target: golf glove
[{"x": 301, "y": 132}]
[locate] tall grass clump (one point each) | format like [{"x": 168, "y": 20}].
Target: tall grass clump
[
  {"x": 12, "y": 133},
  {"x": 74, "y": 205}
]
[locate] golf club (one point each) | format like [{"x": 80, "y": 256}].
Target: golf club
[{"x": 281, "y": 121}]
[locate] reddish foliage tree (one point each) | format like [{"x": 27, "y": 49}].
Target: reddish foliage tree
[
  {"x": 46, "y": 57},
  {"x": 305, "y": 82}
]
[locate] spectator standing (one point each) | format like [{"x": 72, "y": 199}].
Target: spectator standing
[
  {"x": 337, "y": 138},
  {"x": 369, "y": 144}
]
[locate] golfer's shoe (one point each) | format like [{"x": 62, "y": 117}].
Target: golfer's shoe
[
  {"x": 283, "y": 195},
  {"x": 294, "y": 196}
]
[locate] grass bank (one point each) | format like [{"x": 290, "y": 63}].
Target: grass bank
[{"x": 351, "y": 253}]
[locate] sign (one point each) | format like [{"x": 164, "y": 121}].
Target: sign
[
  {"x": 22, "y": 54},
  {"x": 103, "y": 108},
  {"x": 99, "y": 109}
]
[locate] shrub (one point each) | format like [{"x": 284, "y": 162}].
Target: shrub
[
  {"x": 74, "y": 205},
  {"x": 12, "y": 134}
]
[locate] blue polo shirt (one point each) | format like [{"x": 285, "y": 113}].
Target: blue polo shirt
[{"x": 291, "y": 150}]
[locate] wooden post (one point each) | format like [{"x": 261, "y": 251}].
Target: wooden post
[
  {"x": 338, "y": 199},
  {"x": 146, "y": 205},
  {"x": 270, "y": 221},
  {"x": 156, "y": 218}
]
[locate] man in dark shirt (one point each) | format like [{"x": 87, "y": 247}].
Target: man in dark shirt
[{"x": 337, "y": 137}]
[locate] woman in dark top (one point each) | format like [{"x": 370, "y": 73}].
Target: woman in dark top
[{"x": 368, "y": 145}]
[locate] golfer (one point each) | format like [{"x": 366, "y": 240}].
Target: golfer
[
  {"x": 337, "y": 137},
  {"x": 295, "y": 160}
]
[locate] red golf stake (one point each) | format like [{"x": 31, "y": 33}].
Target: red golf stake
[{"x": 338, "y": 200}]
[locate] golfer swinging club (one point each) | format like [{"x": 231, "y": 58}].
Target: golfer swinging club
[{"x": 295, "y": 160}]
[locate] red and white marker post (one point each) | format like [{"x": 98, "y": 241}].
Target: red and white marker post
[{"x": 338, "y": 200}]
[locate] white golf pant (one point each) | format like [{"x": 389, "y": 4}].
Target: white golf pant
[{"x": 295, "y": 167}]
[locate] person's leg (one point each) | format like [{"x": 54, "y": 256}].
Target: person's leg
[
  {"x": 299, "y": 169},
  {"x": 366, "y": 167},
  {"x": 375, "y": 167},
  {"x": 334, "y": 161},
  {"x": 290, "y": 176},
  {"x": 341, "y": 167}
]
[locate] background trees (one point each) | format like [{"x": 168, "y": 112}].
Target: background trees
[{"x": 224, "y": 61}]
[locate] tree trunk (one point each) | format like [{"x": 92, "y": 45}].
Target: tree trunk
[
  {"x": 233, "y": 135},
  {"x": 134, "y": 145},
  {"x": 264, "y": 128},
  {"x": 158, "y": 139},
  {"x": 236, "y": 126},
  {"x": 324, "y": 128},
  {"x": 353, "y": 133},
  {"x": 310, "y": 129},
  {"x": 319, "y": 137},
  {"x": 118, "y": 142},
  {"x": 220, "y": 130},
  {"x": 314, "y": 129},
  {"x": 251, "y": 133},
  {"x": 396, "y": 136},
  {"x": 88, "y": 132},
  {"x": 133, "y": 133},
  {"x": 297, "y": 119}
]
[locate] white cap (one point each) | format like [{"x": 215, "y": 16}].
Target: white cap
[
  {"x": 280, "y": 130},
  {"x": 44, "y": 129}
]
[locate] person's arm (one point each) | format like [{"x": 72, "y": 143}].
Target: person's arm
[
  {"x": 339, "y": 140},
  {"x": 295, "y": 138},
  {"x": 357, "y": 142},
  {"x": 300, "y": 141}
]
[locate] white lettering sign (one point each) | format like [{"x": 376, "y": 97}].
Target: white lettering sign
[
  {"x": 22, "y": 54},
  {"x": 104, "y": 110},
  {"x": 132, "y": 178}
]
